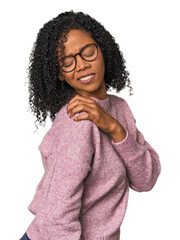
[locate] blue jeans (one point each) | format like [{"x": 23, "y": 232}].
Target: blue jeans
[{"x": 25, "y": 237}]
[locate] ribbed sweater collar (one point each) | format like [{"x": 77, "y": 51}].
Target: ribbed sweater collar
[{"x": 105, "y": 103}]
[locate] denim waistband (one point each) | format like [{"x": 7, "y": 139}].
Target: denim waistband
[{"x": 25, "y": 237}]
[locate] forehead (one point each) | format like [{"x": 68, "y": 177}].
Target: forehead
[{"x": 76, "y": 39}]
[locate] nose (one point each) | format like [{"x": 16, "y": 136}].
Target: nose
[{"x": 81, "y": 64}]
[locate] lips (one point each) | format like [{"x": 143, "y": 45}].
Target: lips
[{"x": 88, "y": 74}]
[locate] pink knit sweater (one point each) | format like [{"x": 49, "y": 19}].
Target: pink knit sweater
[{"x": 83, "y": 193}]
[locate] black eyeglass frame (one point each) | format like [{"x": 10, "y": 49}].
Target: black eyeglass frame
[{"x": 79, "y": 53}]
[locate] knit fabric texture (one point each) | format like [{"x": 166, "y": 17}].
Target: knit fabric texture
[{"x": 83, "y": 193}]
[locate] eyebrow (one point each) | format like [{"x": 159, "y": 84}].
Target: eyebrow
[{"x": 71, "y": 54}]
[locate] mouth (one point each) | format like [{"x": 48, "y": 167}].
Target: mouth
[{"x": 86, "y": 78}]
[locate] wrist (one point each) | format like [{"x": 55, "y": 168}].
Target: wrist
[{"x": 117, "y": 133}]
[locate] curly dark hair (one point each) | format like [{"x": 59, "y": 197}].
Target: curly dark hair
[{"x": 47, "y": 94}]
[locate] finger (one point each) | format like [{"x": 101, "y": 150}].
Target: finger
[
  {"x": 78, "y": 102},
  {"x": 80, "y": 108},
  {"x": 82, "y": 117},
  {"x": 88, "y": 99}
]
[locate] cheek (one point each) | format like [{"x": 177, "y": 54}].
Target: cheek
[
  {"x": 101, "y": 62},
  {"x": 101, "y": 66},
  {"x": 69, "y": 77}
]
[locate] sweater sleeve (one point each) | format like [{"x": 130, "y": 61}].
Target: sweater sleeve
[
  {"x": 141, "y": 160},
  {"x": 58, "y": 215}
]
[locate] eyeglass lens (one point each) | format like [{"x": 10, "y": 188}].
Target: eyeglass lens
[{"x": 88, "y": 53}]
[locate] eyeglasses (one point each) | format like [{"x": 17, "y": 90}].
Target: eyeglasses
[{"x": 88, "y": 53}]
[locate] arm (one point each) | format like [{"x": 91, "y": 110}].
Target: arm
[
  {"x": 58, "y": 214},
  {"x": 141, "y": 160}
]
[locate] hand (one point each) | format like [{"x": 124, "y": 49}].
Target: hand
[{"x": 94, "y": 112}]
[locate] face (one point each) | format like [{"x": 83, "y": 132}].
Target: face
[{"x": 94, "y": 85}]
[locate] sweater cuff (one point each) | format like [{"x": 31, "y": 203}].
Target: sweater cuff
[{"x": 127, "y": 148}]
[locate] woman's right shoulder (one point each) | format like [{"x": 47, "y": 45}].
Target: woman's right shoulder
[
  {"x": 63, "y": 119},
  {"x": 60, "y": 116},
  {"x": 63, "y": 124},
  {"x": 68, "y": 134}
]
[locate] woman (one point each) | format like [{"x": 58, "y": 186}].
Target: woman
[{"x": 93, "y": 152}]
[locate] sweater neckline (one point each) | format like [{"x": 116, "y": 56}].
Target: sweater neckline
[{"x": 105, "y": 103}]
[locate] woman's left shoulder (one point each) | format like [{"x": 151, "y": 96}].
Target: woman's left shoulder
[{"x": 117, "y": 100}]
